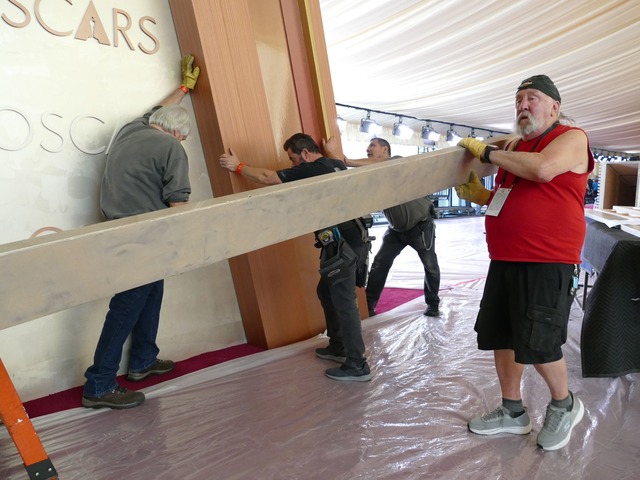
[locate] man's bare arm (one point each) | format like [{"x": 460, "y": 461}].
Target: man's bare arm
[
  {"x": 330, "y": 148},
  {"x": 566, "y": 153},
  {"x": 256, "y": 174}
]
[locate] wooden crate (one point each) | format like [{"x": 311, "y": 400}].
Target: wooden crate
[{"x": 619, "y": 185}]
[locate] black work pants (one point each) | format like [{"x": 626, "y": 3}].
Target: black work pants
[
  {"x": 422, "y": 238},
  {"x": 340, "y": 307}
]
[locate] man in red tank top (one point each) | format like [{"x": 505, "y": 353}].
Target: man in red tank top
[{"x": 535, "y": 229}]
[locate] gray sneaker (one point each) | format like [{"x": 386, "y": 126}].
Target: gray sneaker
[
  {"x": 328, "y": 354},
  {"x": 499, "y": 421},
  {"x": 350, "y": 374},
  {"x": 558, "y": 424}
]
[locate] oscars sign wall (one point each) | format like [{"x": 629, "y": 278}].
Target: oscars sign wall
[{"x": 71, "y": 73}]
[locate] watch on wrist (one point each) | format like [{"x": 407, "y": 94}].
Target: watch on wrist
[{"x": 487, "y": 154}]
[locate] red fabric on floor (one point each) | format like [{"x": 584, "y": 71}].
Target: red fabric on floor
[
  {"x": 394, "y": 297},
  {"x": 72, "y": 398}
]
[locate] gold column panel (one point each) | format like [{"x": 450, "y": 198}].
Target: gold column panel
[{"x": 256, "y": 89}]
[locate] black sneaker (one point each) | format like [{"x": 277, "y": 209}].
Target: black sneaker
[
  {"x": 157, "y": 368},
  {"x": 350, "y": 374},
  {"x": 119, "y": 397},
  {"x": 328, "y": 354},
  {"x": 432, "y": 311}
]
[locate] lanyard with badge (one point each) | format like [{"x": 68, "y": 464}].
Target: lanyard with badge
[{"x": 500, "y": 197}]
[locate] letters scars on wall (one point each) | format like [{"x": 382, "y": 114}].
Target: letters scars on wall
[{"x": 90, "y": 24}]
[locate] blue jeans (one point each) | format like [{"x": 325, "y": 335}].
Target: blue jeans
[
  {"x": 422, "y": 238},
  {"x": 135, "y": 312},
  {"x": 340, "y": 307}
]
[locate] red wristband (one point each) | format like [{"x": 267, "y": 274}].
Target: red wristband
[
  {"x": 239, "y": 168},
  {"x": 184, "y": 89}
]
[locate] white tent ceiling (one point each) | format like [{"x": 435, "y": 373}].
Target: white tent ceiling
[{"x": 460, "y": 61}]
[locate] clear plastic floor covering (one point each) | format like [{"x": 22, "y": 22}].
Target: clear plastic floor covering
[{"x": 274, "y": 415}]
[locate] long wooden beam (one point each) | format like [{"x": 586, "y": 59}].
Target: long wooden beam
[{"x": 59, "y": 271}]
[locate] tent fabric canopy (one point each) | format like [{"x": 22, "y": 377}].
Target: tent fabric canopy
[{"x": 460, "y": 61}]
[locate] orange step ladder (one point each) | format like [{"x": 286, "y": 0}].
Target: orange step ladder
[{"x": 24, "y": 436}]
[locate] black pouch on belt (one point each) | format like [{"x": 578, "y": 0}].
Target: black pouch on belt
[{"x": 336, "y": 263}]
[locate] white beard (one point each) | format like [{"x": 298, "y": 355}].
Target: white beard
[{"x": 528, "y": 128}]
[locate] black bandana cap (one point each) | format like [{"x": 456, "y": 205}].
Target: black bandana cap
[{"x": 542, "y": 83}]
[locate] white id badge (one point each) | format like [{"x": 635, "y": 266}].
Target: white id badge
[{"x": 498, "y": 201}]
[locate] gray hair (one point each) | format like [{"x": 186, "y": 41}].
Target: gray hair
[
  {"x": 566, "y": 119},
  {"x": 172, "y": 118}
]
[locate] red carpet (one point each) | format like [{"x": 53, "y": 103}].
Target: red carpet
[
  {"x": 394, "y": 297},
  {"x": 71, "y": 398},
  {"x": 390, "y": 299}
]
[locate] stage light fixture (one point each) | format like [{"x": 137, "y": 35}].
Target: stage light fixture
[
  {"x": 370, "y": 126},
  {"x": 400, "y": 130},
  {"x": 473, "y": 135},
  {"x": 453, "y": 137},
  {"x": 429, "y": 135}
]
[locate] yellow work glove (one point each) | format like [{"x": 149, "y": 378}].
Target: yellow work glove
[
  {"x": 473, "y": 190},
  {"x": 189, "y": 74},
  {"x": 479, "y": 149}
]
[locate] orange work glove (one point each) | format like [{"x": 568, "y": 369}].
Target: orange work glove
[
  {"x": 189, "y": 74},
  {"x": 473, "y": 190},
  {"x": 479, "y": 149}
]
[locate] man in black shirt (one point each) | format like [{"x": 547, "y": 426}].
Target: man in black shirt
[{"x": 343, "y": 249}]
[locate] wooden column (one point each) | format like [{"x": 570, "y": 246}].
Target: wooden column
[{"x": 255, "y": 90}]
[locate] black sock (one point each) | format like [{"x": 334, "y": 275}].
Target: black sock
[{"x": 515, "y": 407}]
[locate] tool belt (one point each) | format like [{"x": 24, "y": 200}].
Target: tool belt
[
  {"x": 337, "y": 258},
  {"x": 337, "y": 261}
]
